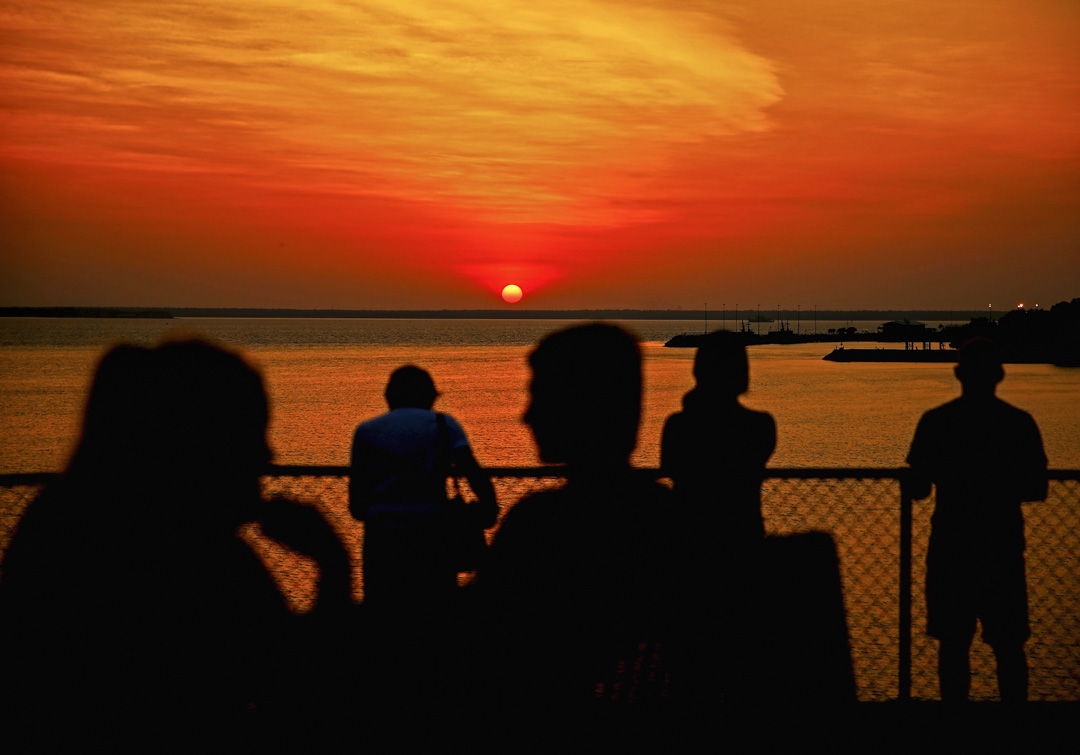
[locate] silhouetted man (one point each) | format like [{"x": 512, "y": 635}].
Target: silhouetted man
[
  {"x": 400, "y": 461},
  {"x": 984, "y": 457},
  {"x": 580, "y": 577}
]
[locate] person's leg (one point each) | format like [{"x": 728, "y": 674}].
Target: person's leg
[
  {"x": 951, "y": 616},
  {"x": 954, "y": 668},
  {"x": 1004, "y": 616},
  {"x": 1012, "y": 671}
]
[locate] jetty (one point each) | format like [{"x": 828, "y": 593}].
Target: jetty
[{"x": 840, "y": 354}]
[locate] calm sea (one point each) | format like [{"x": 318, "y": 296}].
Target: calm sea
[{"x": 325, "y": 376}]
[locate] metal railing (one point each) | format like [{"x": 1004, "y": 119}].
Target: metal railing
[{"x": 881, "y": 538}]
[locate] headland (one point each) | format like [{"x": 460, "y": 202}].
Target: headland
[{"x": 1026, "y": 336}]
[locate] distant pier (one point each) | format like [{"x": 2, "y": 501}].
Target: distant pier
[{"x": 891, "y": 355}]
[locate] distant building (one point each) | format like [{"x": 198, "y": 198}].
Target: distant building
[{"x": 904, "y": 330}]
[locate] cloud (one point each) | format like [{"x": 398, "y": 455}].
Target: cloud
[{"x": 532, "y": 112}]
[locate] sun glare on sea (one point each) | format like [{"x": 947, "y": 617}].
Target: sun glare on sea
[{"x": 512, "y": 293}]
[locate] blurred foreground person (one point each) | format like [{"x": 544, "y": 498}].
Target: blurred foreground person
[
  {"x": 127, "y": 594},
  {"x": 984, "y": 457},
  {"x": 580, "y": 578}
]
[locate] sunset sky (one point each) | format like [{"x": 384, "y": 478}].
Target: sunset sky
[{"x": 620, "y": 153}]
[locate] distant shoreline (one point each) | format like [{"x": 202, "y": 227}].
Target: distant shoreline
[{"x": 714, "y": 316}]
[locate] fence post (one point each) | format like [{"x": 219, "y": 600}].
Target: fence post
[{"x": 904, "y": 655}]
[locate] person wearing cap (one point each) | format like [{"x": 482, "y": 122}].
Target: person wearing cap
[
  {"x": 984, "y": 458},
  {"x": 400, "y": 461}
]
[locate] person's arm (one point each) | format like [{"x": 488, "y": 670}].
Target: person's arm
[
  {"x": 301, "y": 527},
  {"x": 917, "y": 486},
  {"x": 486, "y": 507},
  {"x": 360, "y": 483},
  {"x": 668, "y": 452},
  {"x": 770, "y": 436},
  {"x": 1036, "y": 486},
  {"x": 1031, "y": 480},
  {"x": 678, "y": 443}
]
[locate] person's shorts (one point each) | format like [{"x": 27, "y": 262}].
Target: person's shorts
[{"x": 991, "y": 591}]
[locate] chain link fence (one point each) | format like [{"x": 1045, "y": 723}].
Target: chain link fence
[
  {"x": 863, "y": 517},
  {"x": 860, "y": 509}
]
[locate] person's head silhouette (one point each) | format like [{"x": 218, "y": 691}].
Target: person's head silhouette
[
  {"x": 721, "y": 368},
  {"x": 978, "y": 367},
  {"x": 212, "y": 405},
  {"x": 410, "y": 387},
  {"x": 208, "y": 422},
  {"x": 116, "y": 420},
  {"x": 585, "y": 395}
]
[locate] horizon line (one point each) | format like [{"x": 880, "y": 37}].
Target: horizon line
[{"x": 514, "y": 311}]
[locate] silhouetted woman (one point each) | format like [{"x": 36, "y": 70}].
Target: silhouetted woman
[
  {"x": 715, "y": 451},
  {"x": 127, "y": 585}
]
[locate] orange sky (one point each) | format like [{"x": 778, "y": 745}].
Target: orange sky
[{"x": 424, "y": 153}]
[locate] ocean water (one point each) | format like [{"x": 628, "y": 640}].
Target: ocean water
[{"x": 325, "y": 376}]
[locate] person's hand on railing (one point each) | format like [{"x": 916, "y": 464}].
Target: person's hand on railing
[
  {"x": 485, "y": 510},
  {"x": 915, "y": 485}
]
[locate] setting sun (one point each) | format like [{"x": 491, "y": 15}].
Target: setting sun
[{"x": 512, "y": 294}]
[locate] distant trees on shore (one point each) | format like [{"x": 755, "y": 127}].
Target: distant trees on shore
[{"x": 1051, "y": 335}]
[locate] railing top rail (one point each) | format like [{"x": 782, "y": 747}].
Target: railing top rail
[
  {"x": 326, "y": 470},
  {"x": 27, "y": 478}
]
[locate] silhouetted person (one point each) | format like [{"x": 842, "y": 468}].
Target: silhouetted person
[
  {"x": 580, "y": 578},
  {"x": 415, "y": 631},
  {"x": 984, "y": 457},
  {"x": 127, "y": 587},
  {"x": 765, "y": 617},
  {"x": 400, "y": 462},
  {"x": 715, "y": 449}
]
